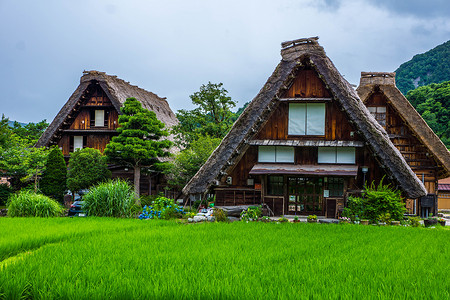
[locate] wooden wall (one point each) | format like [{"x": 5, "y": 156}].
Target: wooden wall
[{"x": 307, "y": 84}]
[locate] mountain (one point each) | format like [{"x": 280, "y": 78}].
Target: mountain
[{"x": 432, "y": 66}]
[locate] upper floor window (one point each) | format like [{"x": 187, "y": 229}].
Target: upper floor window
[
  {"x": 336, "y": 155},
  {"x": 379, "y": 113},
  {"x": 278, "y": 154},
  {"x": 306, "y": 119},
  {"x": 99, "y": 118}
]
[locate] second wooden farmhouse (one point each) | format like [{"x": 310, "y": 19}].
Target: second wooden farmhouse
[{"x": 304, "y": 144}]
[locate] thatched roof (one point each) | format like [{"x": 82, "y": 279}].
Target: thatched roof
[
  {"x": 296, "y": 54},
  {"x": 117, "y": 91},
  {"x": 385, "y": 82}
]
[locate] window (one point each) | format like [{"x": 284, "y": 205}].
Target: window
[
  {"x": 336, "y": 186},
  {"x": 275, "y": 185},
  {"x": 99, "y": 118},
  {"x": 306, "y": 119},
  {"x": 336, "y": 155},
  {"x": 77, "y": 142},
  {"x": 379, "y": 113},
  {"x": 278, "y": 154}
]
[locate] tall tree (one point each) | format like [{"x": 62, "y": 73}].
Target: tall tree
[
  {"x": 212, "y": 117},
  {"x": 53, "y": 182},
  {"x": 86, "y": 167},
  {"x": 140, "y": 142}
]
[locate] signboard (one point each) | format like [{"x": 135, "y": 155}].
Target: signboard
[
  {"x": 326, "y": 193},
  {"x": 428, "y": 200}
]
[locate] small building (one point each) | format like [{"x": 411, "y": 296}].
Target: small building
[
  {"x": 304, "y": 143},
  {"x": 421, "y": 148},
  {"x": 90, "y": 119},
  {"x": 444, "y": 194}
]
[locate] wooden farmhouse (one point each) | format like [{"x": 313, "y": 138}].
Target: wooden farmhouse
[
  {"x": 420, "y": 146},
  {"x": 90, "y": 118},
  {"x": 304, "y": 144}
]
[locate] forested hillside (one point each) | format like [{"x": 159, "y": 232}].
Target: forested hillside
[
  {"x": 432, "y": 66},
  {"x": 433, "y": 103}
]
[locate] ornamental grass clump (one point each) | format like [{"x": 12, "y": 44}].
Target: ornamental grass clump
[
  {"x": 162, "y": 208},
  {"x": 114, "y": 198},
  {"x": 29, "y": 204}
]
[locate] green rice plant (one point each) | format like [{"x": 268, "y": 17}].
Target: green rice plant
[
  {"x": 114, "y": 198},
  {"x": 29, "y": 204},
  {"x": 218, "y": 261}
]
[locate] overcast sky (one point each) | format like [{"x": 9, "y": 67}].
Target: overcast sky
[{"x": 173, "y": 47}]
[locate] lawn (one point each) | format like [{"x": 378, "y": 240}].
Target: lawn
[{"x": 92, "y": 258}]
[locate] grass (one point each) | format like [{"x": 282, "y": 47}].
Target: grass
[{"x": 91, "y": 258}]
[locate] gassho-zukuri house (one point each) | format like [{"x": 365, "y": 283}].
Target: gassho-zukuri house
[
  {"x": 304, "y": 144},
  {"x": 90, "y": 118}
]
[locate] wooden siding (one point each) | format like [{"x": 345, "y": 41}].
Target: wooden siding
[{"x": 307, "y": 84}]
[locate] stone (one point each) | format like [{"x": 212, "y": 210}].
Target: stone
[
  {"x": 190, "y": 220},
  {"x": 210, "y": 218},
  {"x": 328, "y": 221},
  {"x": 199, "y": 218},
  {"x": 233, "y": 219}
]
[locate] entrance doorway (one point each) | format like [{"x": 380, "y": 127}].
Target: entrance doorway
[{"x": 305, "y": 196}]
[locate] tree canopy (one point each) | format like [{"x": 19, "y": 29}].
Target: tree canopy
[
  {"x": 433, "y": 103},
  {"x": 432, "y": 66},
  {"x": 212, "y": 116},
  {"x": 86, "y": 167},
  {"x": 53, "y": 182},
  {"x": 140, "y": 142}
]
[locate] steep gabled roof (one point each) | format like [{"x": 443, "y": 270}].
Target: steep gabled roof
[
  {"x": 385, "y": 82},
  {"x": 117, "y": 91},
  {"x": 294, "y": 55}
]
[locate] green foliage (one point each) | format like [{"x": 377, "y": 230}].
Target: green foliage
[
  {"x": 162, "y": 208},
  {"x": 212, "y": 117},
  {"x": 114, "y": 198},
  {"x": 414, "y": 221},
  {"x": 188, "y": 162},
  {"x": 5, "y": 192},
  {"x": 53, "y": 182},
  {"x": 86, "y": 167},
  {"x": 433, "y": 103},
  {"x": 312, "y": 217},
  {"x": 432, "y": 66},
  {"x": 252, "y": 213},
  {"x": 220, "y": 215},
  {"x": 18, "y": 158},
  {"x": 377, "y": 201},
  {"x": 140, "y": 142},
  {"x": 29, "y": 204}
]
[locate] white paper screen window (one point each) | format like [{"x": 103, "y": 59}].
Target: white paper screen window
[
  {"x": 99, "y": 118},
  {"x": 297, "y": 119},
  {"x": 315, "y": 119},
  {"x": 284, "y": 154},
  {"x": 77, "y": 142},
  {"x": 326, "y": 155},
  {"x": 266, "y": 153},
  {"x": 345, "y": 155}
]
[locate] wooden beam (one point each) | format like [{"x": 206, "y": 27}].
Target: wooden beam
[{"x": 305, "y": 99}]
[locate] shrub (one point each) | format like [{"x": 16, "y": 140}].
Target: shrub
[
  {"x": 28, "y": 204},
  {"x": 251, "y": 214},
  {"x": 114, "y": 198},
  {"x": 5, "y": 191},
  {"x": 53, "y": 182},
  {"x": 162, "y": 208},
  {"x": 221, "y": 215},
  {"x": 376, "y": 202},
  {"x": 414, "y": 221}
]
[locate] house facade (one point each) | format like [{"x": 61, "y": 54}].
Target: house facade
[
  {"x": 421, "y": 148},
  {"x": 304, "y": 144},
  {"x": 90, "y": 119}
]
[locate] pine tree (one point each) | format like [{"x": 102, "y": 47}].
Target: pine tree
[
  {"x": 139, "y": 144},
  {"x": 53, "y": 182}
]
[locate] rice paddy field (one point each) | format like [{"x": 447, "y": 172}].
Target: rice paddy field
[{"x": 102, "y": 258}]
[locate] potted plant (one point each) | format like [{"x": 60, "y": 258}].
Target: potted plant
[
  {"x": 441, "y": 221},
  {"x": 430, "y": 221},
  {"x": 344, "y": 220},
  {"x": 296, "y": 220},
  {"x": 364, "y": 222},
  {"x": 312, "y": 219},
  {"x": 395, "y": 223}
]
